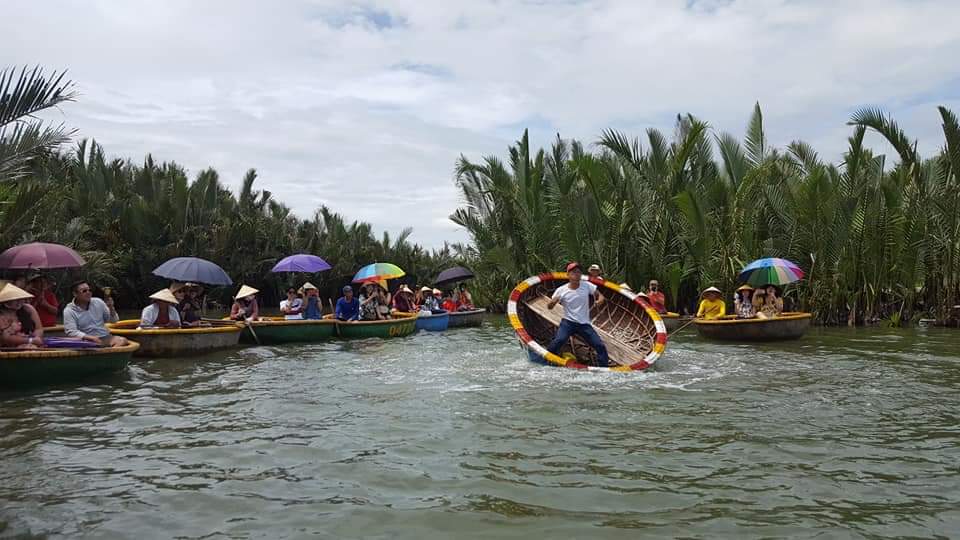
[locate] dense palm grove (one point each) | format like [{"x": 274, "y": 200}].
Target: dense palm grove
[
  {"x": 878, "y": 238},
  {"x": 126, "y": 218}
]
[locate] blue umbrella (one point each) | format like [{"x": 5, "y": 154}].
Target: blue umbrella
[
  {"x": 301, "y": 262},
  {"x": 193, "y": 269}
]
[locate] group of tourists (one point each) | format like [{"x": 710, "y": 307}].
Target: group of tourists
[
  {"x": 749, "y": 303},
  {"x": 377, "y": 303}
]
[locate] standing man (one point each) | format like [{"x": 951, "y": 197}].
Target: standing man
[
  {"x": 657, "y": 300},
  {"x": 575, "y": 297},
  {"x": 87, "y": 317}
]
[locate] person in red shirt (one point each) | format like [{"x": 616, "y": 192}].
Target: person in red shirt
[
  {"x": 657, "y": 300},
  {"x": 44, "y": 301},
  {"x": 448, "y": 303}
]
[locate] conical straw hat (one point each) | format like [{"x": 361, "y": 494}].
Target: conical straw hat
[
  {"x": 164, "y": 295},
  {"x": 246, "y": 291},
  {"x": 308, "y": 286},
  {"x": 11, "y": 292},
  {"x": 711, "y": 289}
]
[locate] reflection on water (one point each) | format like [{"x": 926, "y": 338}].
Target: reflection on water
[{"x": 846, "y": 432}]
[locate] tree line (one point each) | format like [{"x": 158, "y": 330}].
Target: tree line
[{"x": 879, "y": 238}]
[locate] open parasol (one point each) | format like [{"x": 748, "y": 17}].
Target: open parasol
[
  {"x": 378, "y": 272},
  {"x": 40, "y": 256},
  {"x": 770, "y": 271},
  {"x": 301, "y": 262},
  {"x": 453, "y": 275},
  {"x": 193, "y": 269}
]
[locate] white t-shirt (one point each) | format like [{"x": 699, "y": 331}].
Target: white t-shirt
[
  {"x": 297, "y": 304},
  {"x": 576, "y": 302}
]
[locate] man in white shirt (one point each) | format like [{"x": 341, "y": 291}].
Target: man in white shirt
[
  {"x": 292, "y": 307},
  {"x": 575, "y": 297}
]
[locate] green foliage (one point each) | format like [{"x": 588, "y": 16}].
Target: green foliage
[{"x": 876, "y": 242}]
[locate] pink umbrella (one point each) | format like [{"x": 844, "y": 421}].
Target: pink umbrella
[{"x": 40, "y": 256}]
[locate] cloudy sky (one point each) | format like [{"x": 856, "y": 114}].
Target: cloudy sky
[{"x": 365, "y": 105}]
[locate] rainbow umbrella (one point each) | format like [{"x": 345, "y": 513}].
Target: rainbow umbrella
[
  {"x": 770, "y": 271},
  {"x": 378, "y": 272}
]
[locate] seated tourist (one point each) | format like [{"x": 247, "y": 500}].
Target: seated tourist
[
  {"x": 767, "y": 303},
  {"x": 44, "y": 301},
  {"x": 712, "y": 305},
  {"x": 245, "y": 305},
  {"x": 448, "y": 304},
  {"x": 162, "y": 312},
  {"x": 312, "y": 308},
  {"x": 464, "y": 299},
  {"x": 370, "y": 302},
  {"x": 348, "y": 307},
  {"x": 86, "y": 317},
  {"x": 427, "y": 302},
  {"x": 403, "y": 300},
  {"x": 19, "y": 322},
  {"x": 743, "y": 303},
  {"x": 189, "y": 305},
  {"x": 292, "y": 307},
  {"x": 385, "y": 300}
]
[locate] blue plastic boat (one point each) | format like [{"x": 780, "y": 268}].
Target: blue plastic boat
[{"x": 436, "y": 322}]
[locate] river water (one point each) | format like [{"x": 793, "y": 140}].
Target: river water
[{"x": 846, "y": 433}]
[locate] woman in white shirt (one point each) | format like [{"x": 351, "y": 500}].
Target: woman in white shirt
[
  {"x": 292, "y": 307},
  {"x": 162, "y": 313}
]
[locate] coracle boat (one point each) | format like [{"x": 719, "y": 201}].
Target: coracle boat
[
  {"x": 21, "y": 368},
  {"x": 435, "y": 322},
  {"x": 159, "y": 342},
  {"x": 632, "y": 331},
  {"x": 789, "y": 325},
  {"x": 399, "y": 325},
  {"x": 473, "y": 317},
  {"x": 277, "y": 330}
]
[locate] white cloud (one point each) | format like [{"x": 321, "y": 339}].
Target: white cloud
[{"x": 366, "y": 105}]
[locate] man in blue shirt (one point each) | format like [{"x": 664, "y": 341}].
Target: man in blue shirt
[{"x": 348, "y": 307}]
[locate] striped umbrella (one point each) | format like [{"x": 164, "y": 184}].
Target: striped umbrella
[
  {"x": 378, "y": 272},
  {"x": 770, "y": 271}
]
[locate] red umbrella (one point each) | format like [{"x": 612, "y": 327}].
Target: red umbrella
[{"x": 40, "y": 256}]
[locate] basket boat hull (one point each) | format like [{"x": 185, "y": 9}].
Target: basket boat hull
[
  {"x": 473, "y": 317},
  {"x": 632, "y": 331},
  {"x": 278, "y": 331},
  {"x": 23, "y": 369},
  {"x": 435, "y": 322},
  {"x": 392, "y": 328},
  {"x": 170, "y": 342},
  {"x": 785, "y": 327}
]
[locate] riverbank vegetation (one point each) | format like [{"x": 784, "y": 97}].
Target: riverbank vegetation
[{"x": 878, "y": 235}]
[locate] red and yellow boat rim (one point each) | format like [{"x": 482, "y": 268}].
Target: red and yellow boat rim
[{"x": 660, "y": 341}]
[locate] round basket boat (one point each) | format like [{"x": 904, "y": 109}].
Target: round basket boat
[
  {"x": 789, "y": 325},
  {"x": 277, "y": 330},
  {"x": 473, "y": 317},
  {"x": 632, "y": 331},
  {"x": 434, "y": 322},
  {"x": 23, "y": 368},
  {"x": 54, "y": 331},
  {"x": 399, "y": 325},
  {"x": 164, "y": 342}
]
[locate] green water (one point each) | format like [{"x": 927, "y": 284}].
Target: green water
[{"x": 846, "y": 433}]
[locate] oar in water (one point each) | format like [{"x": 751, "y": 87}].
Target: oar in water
[{"x": 682, "y": 326}]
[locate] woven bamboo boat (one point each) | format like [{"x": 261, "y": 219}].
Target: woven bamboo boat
[
  {"x": 790, "y": 325},
  {"x": 632, "y": 331},
  {"x": 277, "y": 330},
  {"x": 473, "y": 317},
  {"x": 54, "y": 331},
  {"x": 435, "y": 322},
  {"x": 165, "y": 342},
  {"x": 25, "y": 368},
  {"x": 399, "y": 325}
]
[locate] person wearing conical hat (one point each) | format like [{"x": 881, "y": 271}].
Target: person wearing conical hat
[
  {"x": 245, "y": 304},
  {"x": 403, "y": 300},
  {"x": 162, "y": 312},
  {"x": 428, "y": 302},
  {"x": 743, "y": 303},
  {"x": 594, "y": 271},
  {"x": 292, "y": 307},
  {"x": 712, "y": 305},
  {"x": 312, "y": 310},
  {"x": 20, "y": 324}
]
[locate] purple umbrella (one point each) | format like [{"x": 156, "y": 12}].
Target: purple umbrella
[
  {"x": 40, "y": 256},
  {"x": 301, "y": 262}
]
